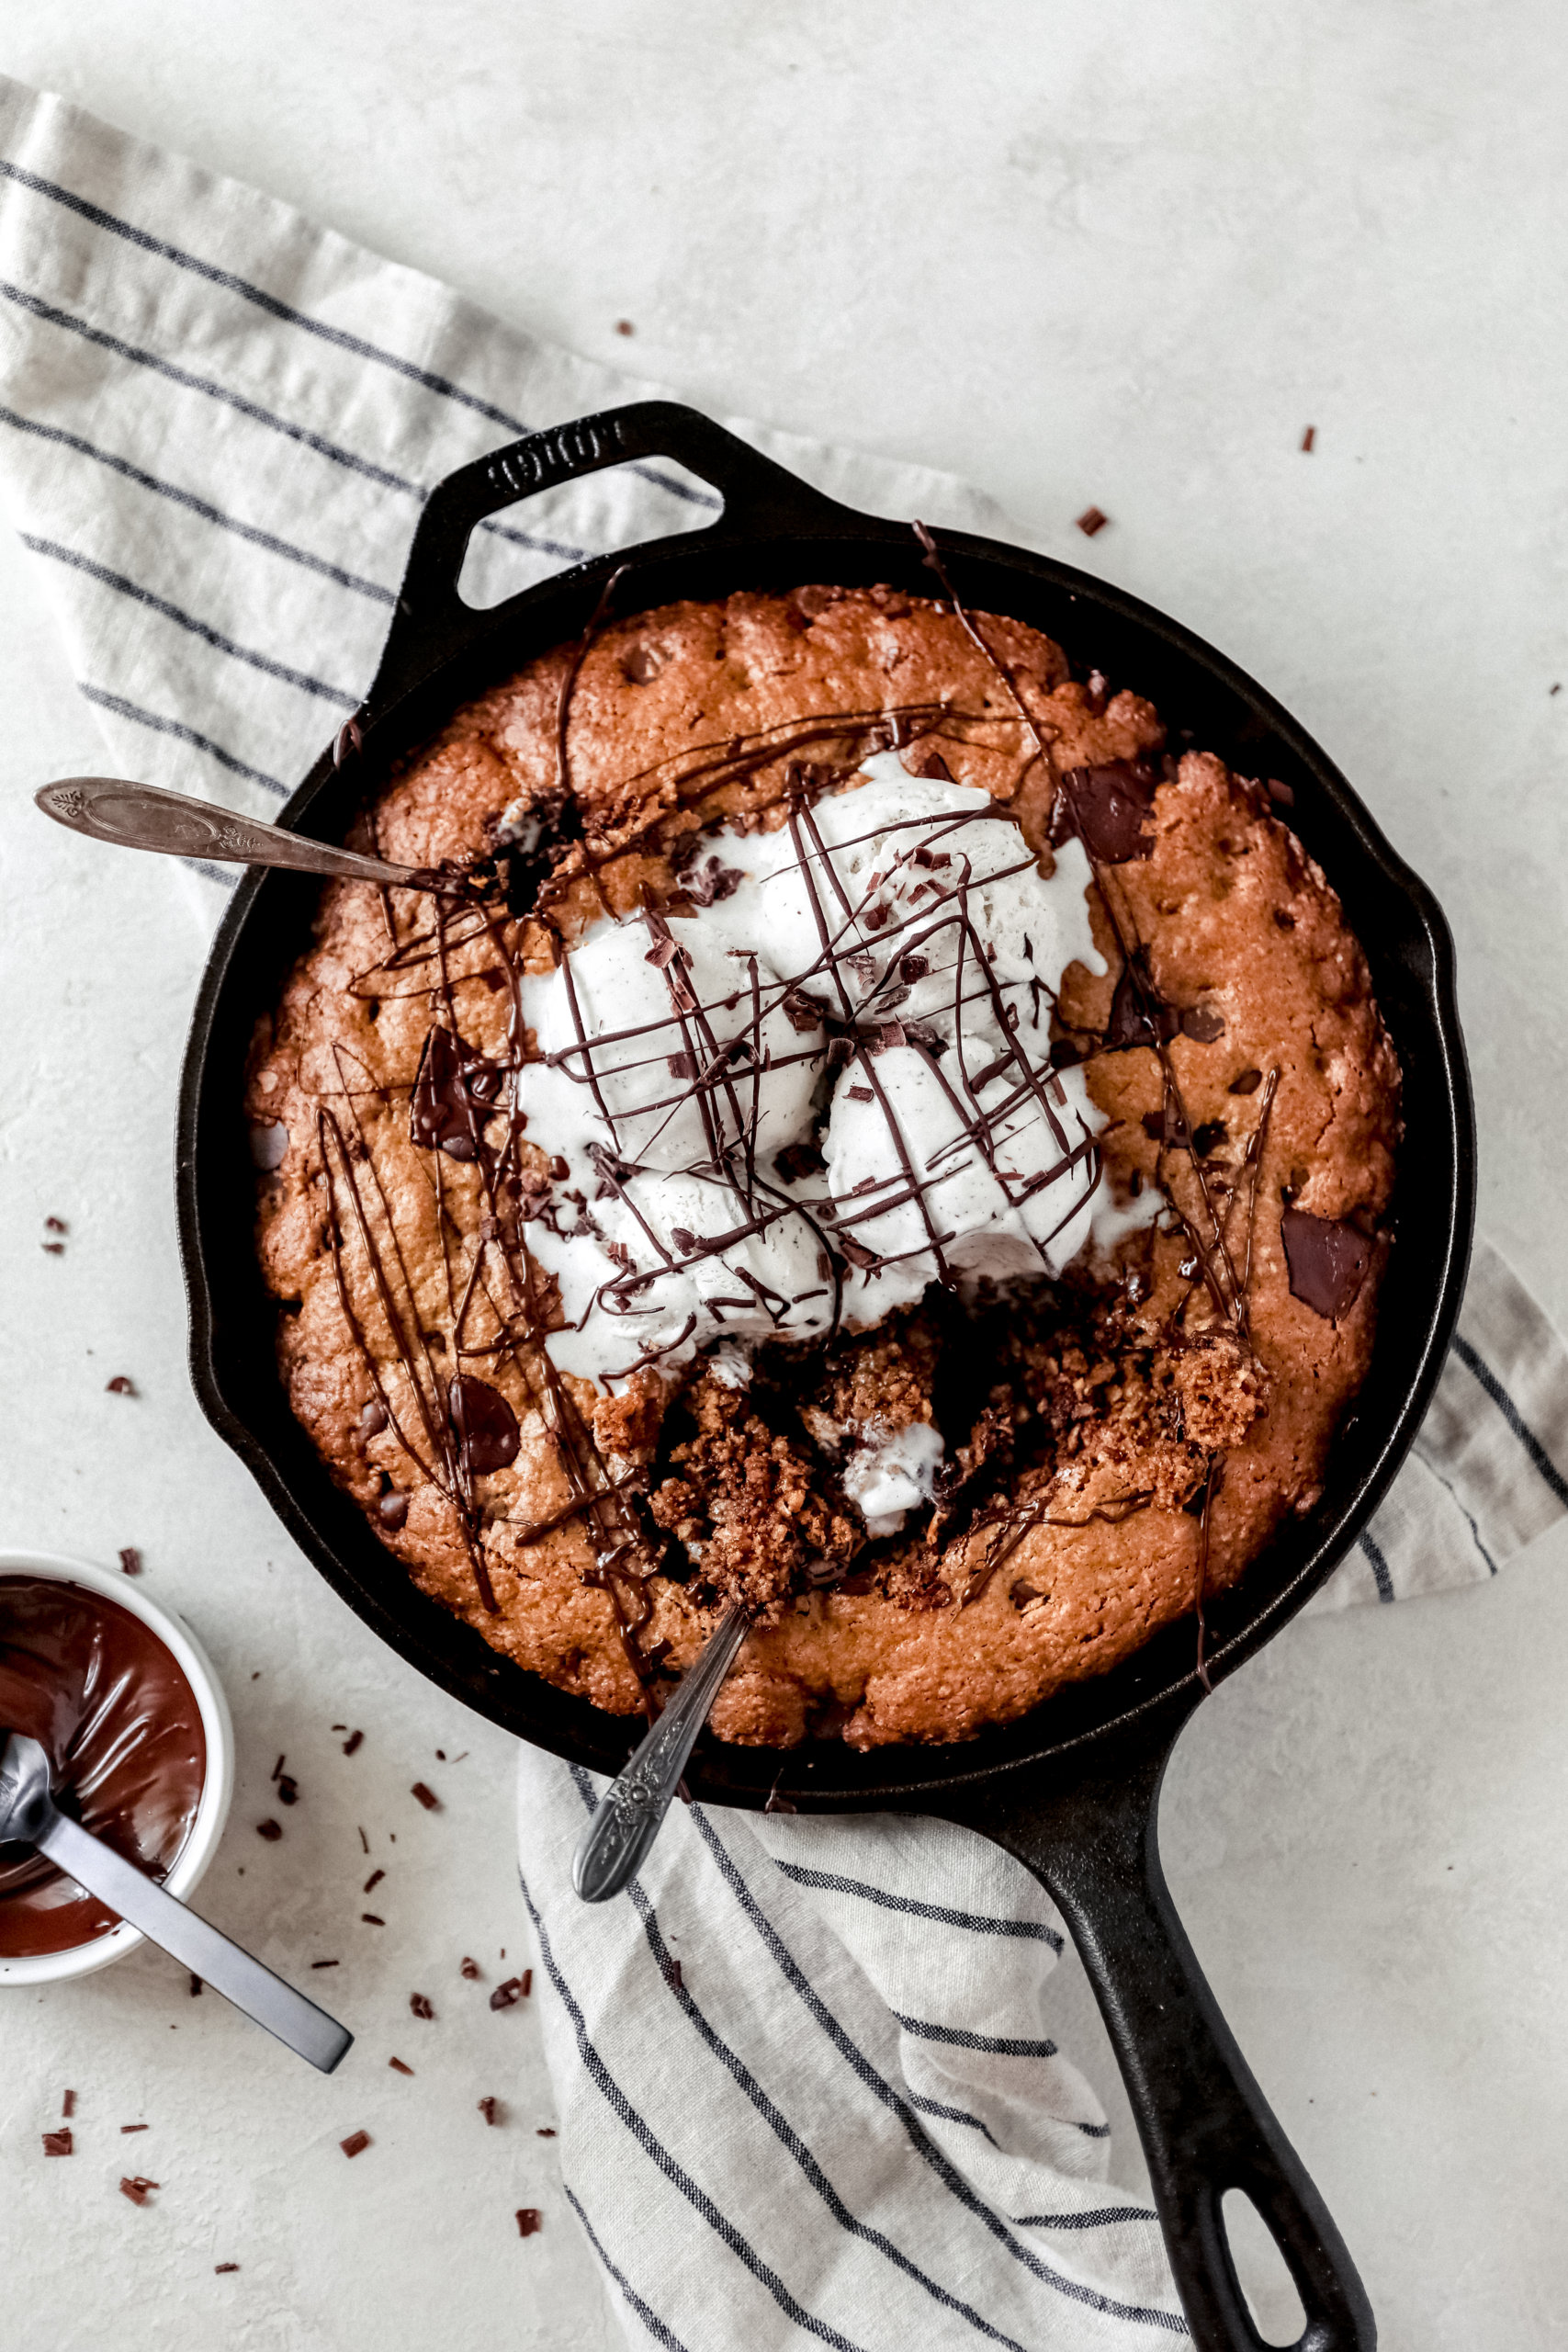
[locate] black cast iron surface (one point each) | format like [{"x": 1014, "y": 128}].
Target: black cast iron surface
[{"x": 1072, "y": 1789}]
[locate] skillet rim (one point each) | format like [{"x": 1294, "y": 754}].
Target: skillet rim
[{"x": 1138, "y": 1695}]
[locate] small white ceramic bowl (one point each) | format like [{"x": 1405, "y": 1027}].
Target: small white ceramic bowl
[{"x": 217, "y": 1789}]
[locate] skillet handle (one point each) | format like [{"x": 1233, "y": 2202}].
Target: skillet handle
[
  {"x": 1205, "y": 2125},
  {"x": 432, "y": 622}
]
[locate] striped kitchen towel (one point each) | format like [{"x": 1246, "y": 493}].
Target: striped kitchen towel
[{"x": 847, "y": 2124}]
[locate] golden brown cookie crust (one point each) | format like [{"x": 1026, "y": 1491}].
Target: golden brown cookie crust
[{"x": 1235, "y": 921}]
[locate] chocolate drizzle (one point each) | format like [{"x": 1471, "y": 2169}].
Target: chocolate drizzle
[{"x": 435, "y": 1390}]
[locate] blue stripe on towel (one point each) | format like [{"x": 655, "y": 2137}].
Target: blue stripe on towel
[
  {"x": 149, "y": 719},
  {"x": 200, "y": 506},
  {"x": 650, "y": 2319},
  {"x": 1489, "y": 1381},
  {"x": 615, "y": 2098},
  {"x": 777, "y": 2122},
  {"x": 921, "y": 2140},
  {"x": 831, "y": 1883},
  {"x": 277, "y": 309},
  {"x": 209, "y": 635}
]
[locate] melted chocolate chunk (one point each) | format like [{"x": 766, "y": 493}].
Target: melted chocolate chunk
[
  {"x": 1327, "y": 1260},
  {"x": 1247, "y": 1081},
  {"x": 1108, "y": 808},
  {"x": 1202, "y": 1025},
  {"x": 453, "y": 1094},
  {"x": 642, "y": 665},
  {"x": 1139, "y": 1016},
  {"x": 485, "y": 1425}
]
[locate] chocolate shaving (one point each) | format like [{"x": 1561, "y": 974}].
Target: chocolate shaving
[
  {"x": 287, "y": 1789},
  {"x": 421, "y": 2006},
  {"x": 425, "y": 1797},
  {"x": 68, "y": 2104},
  {"x": 1093, "y": 520},
  {"x": 471, "y": 1969},
  {"x": 130, "y": 1560},
  {"x": 1327, "y": 1260},
  {"x": 271, "y": 1830},
  {"x": 135, "y": 2127},
  {"x": 59, "y": 2143},
  {"x": 356, "y": 2143},
  {"x": 505, "y": 1995},
  {"x": 354, "y": 1741},
  {"x": 372, "y": 1919},
  {"x": 490, "y": 2109},
  {"x": 120, "y": 1385},
  {"x": 219, "y": 2267},
  {"x": 137, "y": 2187},
  {"x": 399, "y": 2067},
  {"x": 1247, "y": 1081}
]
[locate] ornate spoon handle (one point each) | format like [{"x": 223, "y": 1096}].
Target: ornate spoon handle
[
  {"x": 631, "y": 1810},
  {"x": 142, "y": 816}
]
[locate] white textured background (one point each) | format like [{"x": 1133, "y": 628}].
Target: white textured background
[{"x": 1080, "y": 250}]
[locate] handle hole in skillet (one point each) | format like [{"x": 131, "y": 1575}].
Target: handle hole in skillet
[
  {"x": 1269, "y": 2289},
  {"x": 646, "y": 498}
]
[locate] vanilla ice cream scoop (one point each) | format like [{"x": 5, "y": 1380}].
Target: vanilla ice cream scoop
[{"x": 790, "y": 1110}]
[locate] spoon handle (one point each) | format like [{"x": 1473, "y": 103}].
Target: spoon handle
[
  {"x": 166, "y": 1921},
  {"x": 144, "y": 815},
  {"x": 631, "y": 1810}
]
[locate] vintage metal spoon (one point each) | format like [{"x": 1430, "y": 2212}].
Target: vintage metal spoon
[
  {"x": 632, "y": 1808},
  {"x": 142, "y": 816},
  {"x": 29, "y": 1815}
]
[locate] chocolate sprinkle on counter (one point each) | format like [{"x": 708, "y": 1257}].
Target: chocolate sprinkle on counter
[
  {"x": 120, "y": 1385},
  {"x": 490, "y": 2109},
  {"x": 545, "y": 2132},
  {"x": 1309, "y": 439},
  {"x": 356, "y": 2143},
  {"x": 325, "y": 1963},
  {"x": 1092, "y": 520},
  {"x": 420, "y": 2005},
  {"x": 371, "y": 1920},
  {"x": 68, "y": 2104},
  {"x": 527, "y": 2221},
  {"x": 398, "y": 2066},
  {"x": 56, "y": 1225},
  {"x": 130, "y": 1560},
  {"x": 219, "y": 2267},
  {"x": 271, "y": 1830},
  {"x": 287, "y": 1789},
  {"x": 53, "y": 1249},
  {"x": 137, "y": 2187},
  {"x": 195, "y": 1984},
  {"x": 373, "y": 1881},
  {"x": 59, "y": 2143},
  {"x": 471, "y": 1969},
  {"x": 427, "y": 1797},
  {"x": 135, "y": 2127},
  {"x": 1327, "y": 1260},
  {"x": 353, "y": 1743}
]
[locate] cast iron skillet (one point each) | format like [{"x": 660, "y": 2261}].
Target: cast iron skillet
[{"x": 1072, "y": 1790}]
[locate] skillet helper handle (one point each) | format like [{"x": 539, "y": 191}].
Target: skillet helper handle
[
  {"x": 1205, "y": 2125},
  {"x": 431, "y": 621}
]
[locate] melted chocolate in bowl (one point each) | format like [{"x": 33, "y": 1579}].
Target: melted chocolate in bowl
[{"x": 122, "y": 1730}]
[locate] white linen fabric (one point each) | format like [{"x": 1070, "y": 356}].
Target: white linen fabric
[{"x": 805, "y": 2091}]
